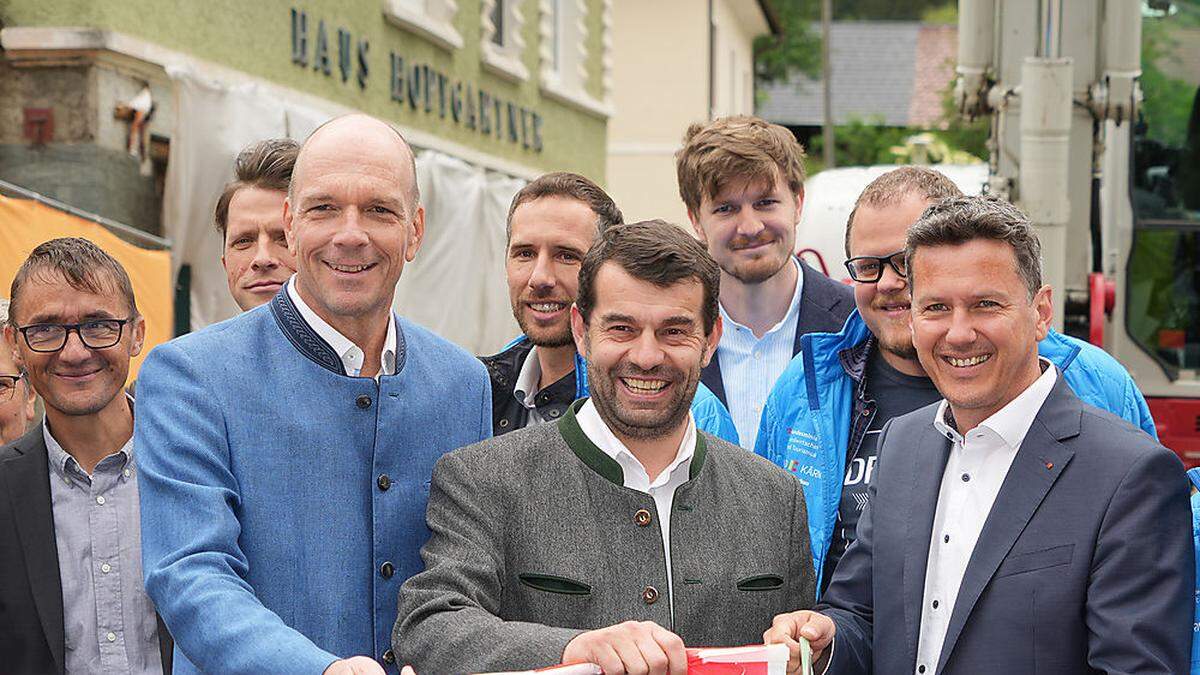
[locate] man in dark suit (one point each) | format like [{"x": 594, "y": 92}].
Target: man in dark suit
[
  {"x": 1011, "y": 527},
  {"x": 71, "y": 595},
  {"x": 742, "y": 181}
]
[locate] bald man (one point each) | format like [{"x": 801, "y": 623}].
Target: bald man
[{"x": 286, "y": 454}]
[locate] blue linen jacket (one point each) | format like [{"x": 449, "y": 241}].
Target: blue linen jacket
[
  {"x": 283, "y": 502},
  {"x": 805, "y": 425},
  {"x": 710, "y": 414}
]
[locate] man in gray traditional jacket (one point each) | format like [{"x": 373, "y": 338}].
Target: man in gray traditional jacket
[{"x": 619, "y": 534}]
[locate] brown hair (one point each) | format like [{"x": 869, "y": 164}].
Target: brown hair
[
  {"x": 958, "y": 220},
  {"x": 741, "y": 147},
  {"x": 266, "y": 165},
  {"x": 892, "y": 187},
  {"x": 571, "y": 186},
  {"x": 654, "y": 251},
  {"x": 84, "y": 266}
]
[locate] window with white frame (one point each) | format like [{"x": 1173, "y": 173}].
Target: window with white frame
[
  {"x": 502, "y": 44},
  {"x": 564, "y": 52},
  {"x": 432, "y": 19}
]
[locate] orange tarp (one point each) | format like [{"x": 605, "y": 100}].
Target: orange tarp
[{"x": 24, "y": 224}]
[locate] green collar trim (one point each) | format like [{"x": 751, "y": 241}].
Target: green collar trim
[{"x": 598, "y": 461}]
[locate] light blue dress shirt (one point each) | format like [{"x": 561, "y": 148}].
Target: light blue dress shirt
[{"x": 750, "y": 365}]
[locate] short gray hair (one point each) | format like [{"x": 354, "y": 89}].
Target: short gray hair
[{"x": 959, "y": 220}]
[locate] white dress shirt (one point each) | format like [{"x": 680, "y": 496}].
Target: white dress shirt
[
  {"x": 750, "y": 365},
  {"x": 975, "y": 471},
  {"x": 662, "y": 489},
  {"x": 526, "y": 388},
  {"x": 350, "y": 353}
]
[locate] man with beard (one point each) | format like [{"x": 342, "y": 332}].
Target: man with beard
[
  {"x": 551, "y": 224},
  {"x": 620, "y": 533},
  {"x": 868, "y": 373},
  {"x": 742, "y": 180},
  {"x": 249, "y": 216}
]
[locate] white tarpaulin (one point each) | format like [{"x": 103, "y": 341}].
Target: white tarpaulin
[{"x": 455, "y": 286}]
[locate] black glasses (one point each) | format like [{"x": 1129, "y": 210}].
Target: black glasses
[
  {"x": 868, "y": 269},
  {"x": 51, "y": 337},
  {"x": 8, "y": 384}
]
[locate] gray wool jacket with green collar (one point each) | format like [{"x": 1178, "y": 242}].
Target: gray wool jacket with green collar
[{"x": 535, "y": 540}]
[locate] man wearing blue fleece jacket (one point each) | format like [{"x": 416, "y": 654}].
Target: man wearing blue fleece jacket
[
  {"x": 285, "y": 455},
  {"x": 823, "y": 418}
]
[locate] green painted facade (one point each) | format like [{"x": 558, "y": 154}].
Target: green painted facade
[{"x": 256, "y": 38}]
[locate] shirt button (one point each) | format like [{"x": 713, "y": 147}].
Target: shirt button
[
  {"x": 386, "y": 570},
  {"x": 966, "y": 477},
  {"x": 384, "y": 482},
  {"x": 946, "y": 539},
  {"x": 757, "y": 355},
  {"x": 106, "y": 568},
  {"x": 363, "y": 401},
  {"x": 935, "y": 604},
  {"x": 389, "y": 657},
  {"x": 554, "y": 413},
  {"x": 920, "y": 669},
  {"x": 649, "y": 595},
  {"x": 111, "y": 637},
  {"x": 642, "y": 517},
  {"x": 127, "y": 473},
  {"x": 100, "y": 500},
  {"x": 503, "y": 423}
]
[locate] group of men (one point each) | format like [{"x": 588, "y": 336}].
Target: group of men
[{"x": 325, "y": 487}]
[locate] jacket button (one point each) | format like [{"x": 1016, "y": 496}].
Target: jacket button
[
  {"x": 642, "y": 517},
  {"x": 386, "y": 570},
  {"x": 555, "y": 413},
  {"x": 384, "y": 482},
  {"x": 650, "y": 595},
  {"x": 363, "y": 401},
  {"x": 389, "y": 657}
]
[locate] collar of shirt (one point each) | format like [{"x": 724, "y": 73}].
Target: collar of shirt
[
  {"x": 65, "y": 466},
  {"x": 793, "y": 312},
  {"x": 635, "y": 474},
  {"x": 1010, "y": 423},
  {"x": 350, "y": 353},
  {"x": 526, "y": 389}
]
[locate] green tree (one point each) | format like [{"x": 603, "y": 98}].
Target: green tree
[{"x": 797, "y": 49}]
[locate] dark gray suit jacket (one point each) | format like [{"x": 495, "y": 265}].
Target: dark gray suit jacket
[
  {"x": 31, "y": 604},
  {"x": 824, "y": 306},
  {"x": 535, "y": 540},
  {"x": 1084, "y": 565}
]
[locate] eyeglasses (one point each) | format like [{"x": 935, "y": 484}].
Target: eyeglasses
[
  {"x": 8, "y": 384},
  {"x": 868, "y": 269},
  {"x": 51, "y": 337}
]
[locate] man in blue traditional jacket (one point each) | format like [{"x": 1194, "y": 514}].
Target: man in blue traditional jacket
[
  {"x": 824, "y": 415},
  {"x": 286, "y": 453}
]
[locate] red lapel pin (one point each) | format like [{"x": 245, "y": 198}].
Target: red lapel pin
[{"x": 1049, "y": 465}]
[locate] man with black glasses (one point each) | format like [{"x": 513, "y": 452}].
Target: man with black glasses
[
  {"x": 17, "y": 397},
  {"x": 71, "y": 596},
  {"x": 823, "y": 418}
]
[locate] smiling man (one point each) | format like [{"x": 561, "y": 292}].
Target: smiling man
[
  {"x": 71, "y": 595},
  {"x": 249, "y": 216},
  {"x": 823, "y": 419},
  {"x": 552, "y": 223},
  {"x": 17, "y": 397},
  {"x": 620, "y": 533},
  {"x": 287, "y": 452},
  {"x": 1011, "y": 528},
  {"x": 742, "y": 180}
]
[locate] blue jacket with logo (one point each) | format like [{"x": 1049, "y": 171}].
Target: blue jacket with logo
[
  {"x": 710, "y": 414},
  {"x": 806, "y": 422}
]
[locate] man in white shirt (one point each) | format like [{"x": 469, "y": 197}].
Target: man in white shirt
[
  {"x": 620, "y": 533},
  {"x": 742, "y": 180},
  {"x": 1011, "y": 527}
]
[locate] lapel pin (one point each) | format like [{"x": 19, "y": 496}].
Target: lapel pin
[{"x": 1049, "y": 465}]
